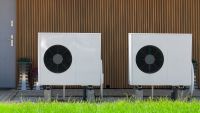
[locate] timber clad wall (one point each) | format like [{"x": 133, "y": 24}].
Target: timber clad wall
[{"x": 113, "y": 18}]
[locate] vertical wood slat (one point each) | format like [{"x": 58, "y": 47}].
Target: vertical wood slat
[{"x": 113, "y": 18}]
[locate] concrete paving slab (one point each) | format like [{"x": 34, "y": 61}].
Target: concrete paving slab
[
  {"x": 77, "y": 94},
  {"x": 7, "y": 95}
]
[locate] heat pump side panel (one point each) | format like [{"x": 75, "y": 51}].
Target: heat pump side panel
[
  {"x": 180, "y": 59},
  {"x": 89, "y": 50}
]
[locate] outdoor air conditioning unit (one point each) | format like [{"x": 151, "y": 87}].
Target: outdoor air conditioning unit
[
  {"x": 69, "y": 59},
  {"x": 160, "y": 59}
]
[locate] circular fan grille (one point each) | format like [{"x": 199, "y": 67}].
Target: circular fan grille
[
  {"x": 57, "y": 59},
  {"x": 149, "y": 59}
]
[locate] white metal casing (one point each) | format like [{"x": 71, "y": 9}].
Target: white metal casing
[
  {"x": 177, "y": 51},
  {"x": 86, "y": 59}
]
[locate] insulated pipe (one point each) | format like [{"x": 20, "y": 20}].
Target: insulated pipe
[
  {"x": 192, "y": 80},
  {"x": 101, "y": 81}
]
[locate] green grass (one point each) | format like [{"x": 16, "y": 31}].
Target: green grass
[{"x": 160, "y": 106}]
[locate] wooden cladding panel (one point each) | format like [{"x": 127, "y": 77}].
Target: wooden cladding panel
[{"x": 114, "y": 19}]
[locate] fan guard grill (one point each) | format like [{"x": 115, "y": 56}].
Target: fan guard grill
[
  {"x": 57, "y": 59},
  {"x": 149, "y": 59}
]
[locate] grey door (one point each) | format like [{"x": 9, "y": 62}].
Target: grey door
[{"x": 7, "y": 43}]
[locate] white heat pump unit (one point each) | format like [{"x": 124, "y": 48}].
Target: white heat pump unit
[
  {"x": 160, "y": 59},
  {"x": 69, "y": 59}
]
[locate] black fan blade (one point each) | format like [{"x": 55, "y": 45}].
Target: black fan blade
[
  {"x": 57, "y": 59},
  {"x": 149, "y": 59}
]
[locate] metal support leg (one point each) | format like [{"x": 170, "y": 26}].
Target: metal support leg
[
  {"x": 90, "y": 94},
  {"x": 152, "y": 91},
  {"x": 138, "y": 93},
  {"x": 84, "y": 93},
  {"x": 178, "y": 93},
  {"x": 47, "y": 93},
  {"x": 63, "y": 92}
]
